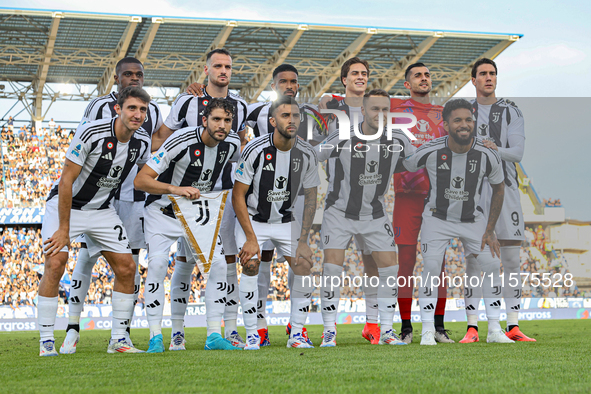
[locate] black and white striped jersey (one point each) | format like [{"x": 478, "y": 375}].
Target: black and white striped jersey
[
  {"x": 360, "y": 172},
  {"x": 185, "y": 160},
  {"x": 187, "y": 111},
  {"x": 502, "y": 122},
  {"x": 455, "y": 178},
  {"x": 258, "y": 119},
  {"x": 275, "y": 177},
  {"x": 353, "y": 113},
  {"x": 104, "y": 108},
  {"x": 106, "y": 163}
]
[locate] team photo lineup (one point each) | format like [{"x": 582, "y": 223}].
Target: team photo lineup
[{"x": 233, "y": 185}]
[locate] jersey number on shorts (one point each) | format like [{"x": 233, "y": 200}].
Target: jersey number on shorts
[{"x": 121, "y": 237}]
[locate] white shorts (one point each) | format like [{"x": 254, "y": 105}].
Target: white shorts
[
  {"x": 510, "y": 225},
  {"x": 102, "y": 228},
  {"x": 436, "y": 234},
  {"x": 375, "y": 235},
  {"x": 282, "y": 236},
  {"x": 132, "y": 216}
]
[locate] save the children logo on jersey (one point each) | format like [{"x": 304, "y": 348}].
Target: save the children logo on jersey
[
  {"x": 458, "y": 195},
  {"x": 280, "y": 195},
  {"x": 483, "y": 130},
  {"x": 113, "y": 180}
]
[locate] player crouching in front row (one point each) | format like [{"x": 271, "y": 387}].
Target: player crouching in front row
[
  {"x": 272, "y": 170},
  {"x": 100, "y": 157}
]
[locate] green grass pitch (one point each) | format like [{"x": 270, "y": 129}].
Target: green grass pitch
[{"x": 558, "y": 362}]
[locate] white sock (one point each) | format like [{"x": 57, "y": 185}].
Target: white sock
[
  {"x": 46, "y": 313},
  {"x": 491, "y": 289},
  {"x": 232, "y": 299},
  {"x": 371, "y": 304},
  {"x": 180, "y": 291},
  {"x": 154, "y": 292},
  {"x": 472, "y": 294},
  {"x": 330, "y": 295},
  {"x": 248, "y": 298},
  {"x": 215, "y": 295},
  {"x": 512, "y": 294},
  {"x": 81, "y": 277},
  {"x": 122, "y": 314},
  {"x": 301, "y": 294},
  {"x": 387, "y": 296},
  {"x": 290, "y": 277},
  {"x": 428, "y": 291},
  {"x": 264, "y": 283},
  {"x": 137, "y": 279}
]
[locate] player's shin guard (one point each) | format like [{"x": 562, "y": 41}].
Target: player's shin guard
[
  {"x": 387, "y": 296},
  {"x": 491, "y": 288},
  {"x": 215, "y": 295},
  {"x": 371, "y": 303},
  {"x": 137, "y": 280},
  {"x": 232, "y": 299},
  {"x": 80, "y": 284},
  {"x": 46, "y": 313},
  {"x": 248, "y": 298},
  {"x": 428, "y": 290},
  {"x": 472, "y": 290},
  {"x": 512, "y": 288},
  {"x": 264, "y": 283},
  {"x": 330, "y": 294},
  {"x": 154, "y": 292},
  {"x": 301, "y": 294},
  {"x": 180, "y": 292},
  {"x": 122, "y": 314}
]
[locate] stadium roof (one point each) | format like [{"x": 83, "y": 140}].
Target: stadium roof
[{"x": 39, "y": 48}]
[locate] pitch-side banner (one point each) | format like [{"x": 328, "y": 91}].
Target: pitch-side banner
[{"x": 201, "y": 220}]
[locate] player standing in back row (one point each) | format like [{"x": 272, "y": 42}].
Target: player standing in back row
[{"x": 500, "y": 124}]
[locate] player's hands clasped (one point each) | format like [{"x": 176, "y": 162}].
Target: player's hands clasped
[
  {"x": 249, "y": 249},
  {"x": 303, "y": 254},
  {"x": 58, "y": 240},
  {"x": 489, "y": 238}
]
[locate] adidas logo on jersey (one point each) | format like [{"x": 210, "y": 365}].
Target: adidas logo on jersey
[
  {"x": 269, "y": 167},
  {"x": 108, "y": 156},
  {"x": 197, "y": 163},
  {"x": 444, "y": 166},
  {"x": 358, "y": 155},
  {"x": 517, "y": 233}
]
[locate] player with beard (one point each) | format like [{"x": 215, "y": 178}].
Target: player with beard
[
  {"x": 500, "y": 124},
  {"x": 189, "y": 163},
  {"x": 411, "y": 188},
  {"x": 272, "y": 170},
  {"x": 285, "y": 84},
  {"x": 187, "y": 110},
  {"x": 457, "y": 165}
]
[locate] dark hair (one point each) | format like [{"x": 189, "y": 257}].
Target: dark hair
[
  {"x": 347, "y": 66},
  {"x": 126, "y": 60},
  {"x": 375, "y": 92},
  {"x": 479, "y": 63},
  {"x": 454, "y": 104},
  {"x": 419, "y": 64},
  {"x": 221, "y": 51},
  {"x": 221, "y": 103},
  {"x": 284, "y": 67},
  {"x": 282, "y": 100},
  {"x": 132, "y": 91}
]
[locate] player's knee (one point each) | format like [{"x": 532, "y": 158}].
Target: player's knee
[
  {"x": 488, "y": 263},
  {"x": 125, "y": 270},
  {"x": 55, "y": 267},
  {"x": 231, "y": 259},
  {"x": 251, "y": 267}
]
